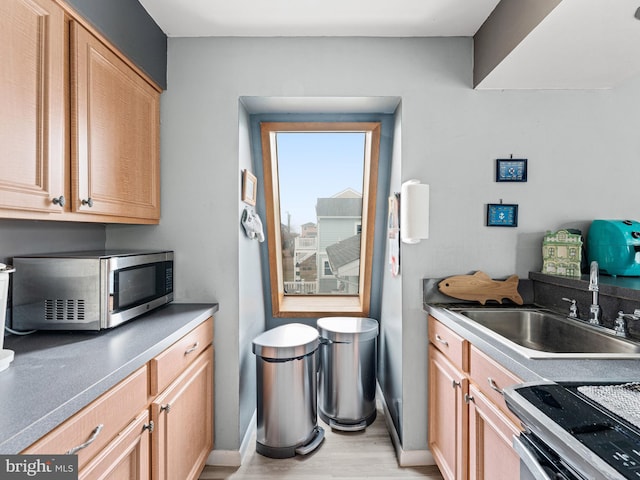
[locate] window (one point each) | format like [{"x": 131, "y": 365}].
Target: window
[
  {"x": 320, "y": 185},
  {"x": 327, "y": 268}
]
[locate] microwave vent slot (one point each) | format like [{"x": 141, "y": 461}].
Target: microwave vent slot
[{"x": 64, "y": 310}]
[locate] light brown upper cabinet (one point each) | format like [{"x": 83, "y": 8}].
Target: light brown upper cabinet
[
  {"x": 115, "y": 118},
  {"x": 32, "y": 117},
  {"x": 80, "y": 133}
]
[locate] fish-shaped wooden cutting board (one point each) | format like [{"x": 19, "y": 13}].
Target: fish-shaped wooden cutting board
[{"x": 480, "y": 287}]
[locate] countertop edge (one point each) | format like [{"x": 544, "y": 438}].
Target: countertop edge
[
  {"x": 587, "y": 370},
  {"x": 21, "y": 439}
]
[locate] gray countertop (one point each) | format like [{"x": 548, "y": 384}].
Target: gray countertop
[
  {"x": 535, "y": 369},
  {"x": 56, "y": 374}
]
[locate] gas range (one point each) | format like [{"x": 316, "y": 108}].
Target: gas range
[{"x": 576, "y": 431}]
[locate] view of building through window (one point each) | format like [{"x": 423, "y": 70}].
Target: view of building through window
[{"x": 321, "y": 177}]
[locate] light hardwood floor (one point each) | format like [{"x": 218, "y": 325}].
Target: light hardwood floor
[{"x": 352, "y": 456}]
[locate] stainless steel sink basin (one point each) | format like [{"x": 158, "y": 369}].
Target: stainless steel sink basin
[{"x": 543, "y": 331}]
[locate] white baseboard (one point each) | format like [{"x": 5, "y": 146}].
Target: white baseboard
[
  {"x": 235, "y": 458},
  {"x": 406, "y": 458},
  {"x": 224, "y": 458}
]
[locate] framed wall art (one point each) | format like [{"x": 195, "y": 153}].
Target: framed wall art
[
  {"x": 511, "y": 170},
  {"x": 249, "y": 187},
  {"x": 502, "y": 215}
]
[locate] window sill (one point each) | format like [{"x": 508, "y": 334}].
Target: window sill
[{"x": 306, "y": 306}]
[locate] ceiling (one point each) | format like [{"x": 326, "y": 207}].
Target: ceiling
[
  {"x": 373, "y": 18},
  {"x": 575, "y": 44}
]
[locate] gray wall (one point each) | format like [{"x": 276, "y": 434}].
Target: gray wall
[
  {"x": 23, "y": 237},
  {"x": 251, "y": 321},
  {"x": 582, "y": 148},
  {"x": 451, "y": 136},
  {"x": 390, "y": 349},
  {"x": 581, "y": 145},
  {"x": 130, "y": 28}
]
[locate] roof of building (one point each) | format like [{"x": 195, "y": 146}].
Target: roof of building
[
  {"x": 347, "y": 193},
  {"x": 343, "y": 252},
  {"x": 339, "y": 207}
]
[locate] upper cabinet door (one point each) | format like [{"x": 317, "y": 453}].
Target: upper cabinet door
[
  {"x": 32, "y": 113},
  {"x": 115, "y": 122}
]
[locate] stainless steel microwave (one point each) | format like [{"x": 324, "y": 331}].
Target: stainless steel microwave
[{"x": 89, "y": 290}]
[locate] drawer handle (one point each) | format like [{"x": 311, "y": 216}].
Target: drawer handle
[
  {"x": 94, "y": 435},
  {"x": 149, "y": 426},
  {"x": 469, "y": 398},
  {"x": 441, "y": 340},
  {"x": 166, "y": 408},
  {"x": 494, "y": 386},
  {"x": 193, "y": 348},
  {"x": 455, "y": 383}
]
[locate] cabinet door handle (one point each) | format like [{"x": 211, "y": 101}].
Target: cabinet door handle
[
  {"x": 94, "y": 435},
  {"x": 468, "y": 398},
  {"x": 455, "y": 383},
  {"x": 494, "y": 386},
  {"x": 192, "y": 348},
  {"x": 59, "y": 201},
  {"x": 88, "y": 202},
  {"x": 149, "y": 426},
  {"x": 441, "y": 340},
  {"x": 166, "y": 408}
]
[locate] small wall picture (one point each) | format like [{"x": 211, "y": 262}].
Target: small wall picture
[
  {"x": 511, "y": 170},
  {"x": 502, "y": 215},
  {"x": 249, "y": 187}
]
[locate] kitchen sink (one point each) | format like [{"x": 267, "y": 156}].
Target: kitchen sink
[{"x": 542, "y": 333}]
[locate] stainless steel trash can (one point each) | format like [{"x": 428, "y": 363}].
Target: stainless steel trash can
[
  {"x": 347, "y": 376},
  {"x": 286, "y": 371}
]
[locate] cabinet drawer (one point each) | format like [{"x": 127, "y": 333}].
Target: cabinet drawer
[
  {"x": 451, "y": 344},
  {"x": 170, "y": 363},
  {"x": 127, "y": 457},
  {"x": 114, "y": 410},
  {"x": 491, "y": 378}
]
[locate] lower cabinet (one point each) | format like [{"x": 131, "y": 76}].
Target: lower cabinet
[
  {"x": 133, "y": 432},
  {"x": 182, "y": 416},
  {"x": 470, "y": 426},
  {"x": 491, "y": 455},
  {"x": 447, "y": 416}
]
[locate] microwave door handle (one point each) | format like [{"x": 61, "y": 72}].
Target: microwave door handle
[{"x": 529, "y": 460}]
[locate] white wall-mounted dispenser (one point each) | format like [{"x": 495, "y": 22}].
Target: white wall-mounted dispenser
[{"x": 414, "y": 211}]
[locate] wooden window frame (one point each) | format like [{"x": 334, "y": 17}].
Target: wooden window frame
[{"x": 311, "y": 306}]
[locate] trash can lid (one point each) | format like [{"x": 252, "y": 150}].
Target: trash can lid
[
  {"x": 287, "y": 341},
  {"x": 347, "y": 329}
]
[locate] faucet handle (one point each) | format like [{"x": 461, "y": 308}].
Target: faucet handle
[
  {"x": 621, "y": 328},
  {"x": 573, "y": 309}
]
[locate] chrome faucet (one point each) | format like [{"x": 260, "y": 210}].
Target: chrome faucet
[
  {"x": 621, "y": 329},
  {"x": 594, "y": 309}
]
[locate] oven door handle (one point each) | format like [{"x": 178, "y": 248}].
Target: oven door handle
[{"x": 529, "y": 459}]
